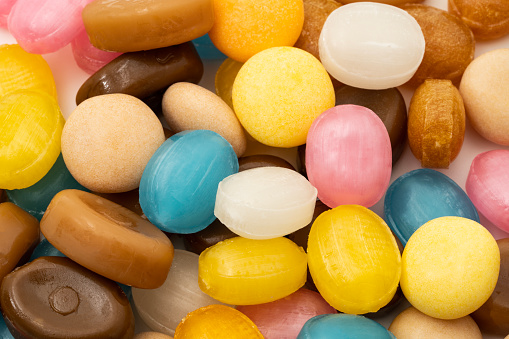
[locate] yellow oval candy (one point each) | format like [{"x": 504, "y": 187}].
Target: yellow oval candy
[{"x": 225, "y": 77}]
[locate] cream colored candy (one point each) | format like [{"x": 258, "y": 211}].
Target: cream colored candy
[
  {"x": 187, "y": 106},
  {"x": 108, "y": 140},
  {"x": 485, "y": 91},
  {"x": 152, "y": 335}
]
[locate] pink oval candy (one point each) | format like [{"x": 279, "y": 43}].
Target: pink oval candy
[
  {"x": 88, "y": 57},
  {"x": 488, "y": 186},
  {"x": 5, "y": 9},
  {"x": 348, "y": 156}
]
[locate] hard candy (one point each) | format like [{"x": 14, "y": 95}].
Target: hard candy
[{"x": 89, "y": 58}]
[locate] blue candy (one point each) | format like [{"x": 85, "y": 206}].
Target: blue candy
[
  {"x": 206, "y": 49},
  {"x": 45, "y": 249},
  {"x": 4, "y": 331}
]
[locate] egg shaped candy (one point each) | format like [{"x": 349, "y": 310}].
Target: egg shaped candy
[{"x": 348, "y": 156}]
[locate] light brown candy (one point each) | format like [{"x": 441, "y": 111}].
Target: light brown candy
[
  {"x": 388, "y": 2},
  {"x": 152, "y": 335}
]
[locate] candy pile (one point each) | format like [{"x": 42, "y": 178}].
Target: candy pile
[{"x": 284, "y": 205}]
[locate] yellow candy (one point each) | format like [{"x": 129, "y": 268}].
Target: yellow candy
[
  {"x": 279, "y": 92},
  {"x": 225, "y": 76},
  {"x": 22, "y": 70},
  {"x": 354, "y": 259},
  {"x": 217, "y": 321},
  {"x": 30, "y": 130},
  {"x": 450, "y": 267},
  {"x": 243, "y": 28},
  {"x": 241, "y": 271}
]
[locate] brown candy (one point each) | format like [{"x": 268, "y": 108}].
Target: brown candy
[
  {"x": 53, "y": 297},
  {"x": 129, "y": 199},
  {"x": 436, "y": 123},
  {"x": 450, "y": 45},
  {"x": 19, "y": 234},
  {"x": 211, "y": 235},
  {"x": 263, "y": 160}
]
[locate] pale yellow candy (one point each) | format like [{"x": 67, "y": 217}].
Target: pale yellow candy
[
  {"x": 450, "y": 267},
  {"x": 279, "y": 92}
]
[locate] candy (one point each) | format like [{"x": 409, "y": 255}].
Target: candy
[
  {"x": 243, "y": 28},
  {"x": 450, "y": 267},
  {"x": 389, "y": 2},
  {"x": 242, "y": 271},
  {"x": 4, "y": 331},
  {"x": 420, "y": 196},
  {"x": 206, "y": 49},
  {"x": 179, "y": 184},
  {"x": 87, "y": 57},
  {"x": 348, "y": 156},
  {"x": 262, "y": 160},
  {"x": 152, "y": 335},
  {"x": 5, "y": 9},
  {"x": 278, "y": 93},
  {"x": 209, "y": 236},
  {"x": 30, "y": 131},
  {"x": 188, "y": 107},
  {"x": 53, "y": 297},
  {"x": 108, "y": 140},
  {"x": 484, "y": 89},
  {"x": 371, "y": 45},
  {"x": 436, "y": 123},
  {"x": 45, "y": 249},
  {"x": 129, "y": 26},
  {"x": 129, "y": 199},
  {"x": 75, "y": 221},
  {"x": 225, "y": 77},
  {"x": 488, "y": 186}
]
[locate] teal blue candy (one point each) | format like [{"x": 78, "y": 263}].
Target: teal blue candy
[
  {"x": 45, "y": 249},
  {"x": 4, "y": 331},
  {"x": 179, "y": 184},
  {"x": 421, "y": 195},
  {"x": 36, "y": 198},
  {"x": 344, "y": 326},
  {"x": 206, "y": 49}
]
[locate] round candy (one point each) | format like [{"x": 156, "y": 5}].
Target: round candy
[
  {"x": 243, "y": 28},
  {"x": 371, "y": 45},
  {"x": 225, "y": 77},
  {"x": 348, "y": 156},
  {"x": 450, "y": 267},
  {"x": 278, "y": 93},
  {"x": 108, "y": 140}
]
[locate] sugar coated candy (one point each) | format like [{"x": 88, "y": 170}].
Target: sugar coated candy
[
  {"x": 265, "y": 202},
  {"x": 348, "y": 156},
  {"x": 434, "y": 277},
  {"x": 87, "y": 57},
  {"x": 278, "y": 93},
  {"x": 179, "y": 184},
  {"x": 371, "y": 45}
]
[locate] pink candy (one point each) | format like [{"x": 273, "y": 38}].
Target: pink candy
[
  {"x": 89, "y": 58},
  {"x": 5, "y": 9},
  {"x": 348, "y": 156}
]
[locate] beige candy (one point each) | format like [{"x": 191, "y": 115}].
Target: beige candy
[
  {"x": 152, "y": 335},
  {"x": 108, "y": 140},
  {"x": 187, "y": 106},
  {"x": 485, "y": 91}
]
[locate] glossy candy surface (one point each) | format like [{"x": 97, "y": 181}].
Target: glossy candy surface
[
  {"x": 45, "y": 249},
  {"x": 209, "y": 236},
  {"x": 224, "y": 79},
  {"x": 4, "y": 331},
  {"x": 263, "y": 160},
  {"x": 89, "y": 58},
  {"x": 206, "y": 49},
  {"x": 5, "y": 9},
  {"x": 420, "y": 196}
]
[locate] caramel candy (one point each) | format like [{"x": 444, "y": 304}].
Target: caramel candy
[
  {"x": 19, "y": 234},
  {"x": 436, "y": 123},
  {"x": 53, "y": 297},
  {"x": 108, "y": 239},
  {"x": 144, "y": 74},
  {"x": 128, "y": 26},
  {"x": 129, "y": 199},
  {"x": 263, "y": 160},
  {"x": 211, "y": 235}
]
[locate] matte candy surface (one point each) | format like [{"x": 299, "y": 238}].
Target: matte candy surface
[{"x": 348, "y": 156}]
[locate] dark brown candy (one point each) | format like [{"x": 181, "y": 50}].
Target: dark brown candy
[
  {"x": 54, "y": 297},
  {"x": 143, "y": 74},
  {"x": 263, "y": 160},
  {"x": 211, "y": 235},
  {"x": 390, "y": 107},
  {"x": 129, "y": 200}
]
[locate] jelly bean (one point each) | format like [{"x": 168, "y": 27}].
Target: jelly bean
[
  {"x": 217, "y": 321},
  {"x": 108, "y": 140},
  {"x": 278, "y": 93},
  {"x": 450, "y": 267},
  {"x": 390, "y": 107},
  {"x": 484, "y": 88},
  {"x": 163, "y": 308},
  {"x": 146, "y": 73},
  {"x": 183, "y": 175},
  {"x": 189, "y": 107},
  {"x": 20, "y": 235},
  {"x": 436, "y": 123},
  {"x": 284, "y": 318},
  {"x": 53, "y": 297},
  {"x": 87, "y": 57},
  {"x": 329, "y": 326},
  {"x": 265, "y": 202},
  {"x": 413, "y": 324},
  {"x": 211, "y": 235},
  {"x": 152, "y": 335},
  {"x": 354, "y": 259},
  {"x": 76, "y": 220},
  {"x": 354, "y": 33},
  {"x": 45, "y": 26},
  {"x": 492, "y": 316},
  {"x": 36, "y": 198},
  {"x": 4, "y": 331},
  {"x": 421, "y": 195},
  {"x": 263, "y": 160},
  {"x": 30, "y": 131},
  {"x": 450, "y": 45},
  {"x": 129, "y": 26},
  {"x": 206, "y": 49},
  {"x": 242, "y": 271},
  {"x": 243, "y": 28},
  {"x": 348, "y": 156},
  {"x": 5, "y": 9},
  {"x": 488, "y": 186},
  {"x": 45, "y": 249},
  {"x": 225, "y": 77}
]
